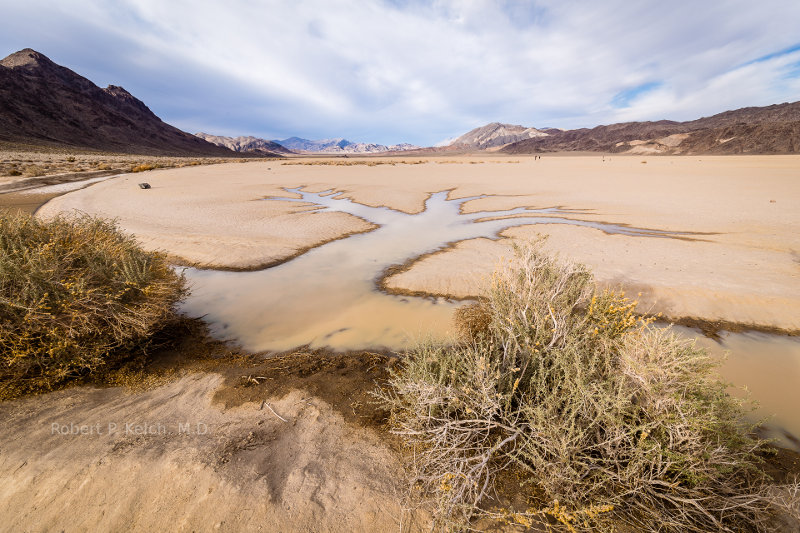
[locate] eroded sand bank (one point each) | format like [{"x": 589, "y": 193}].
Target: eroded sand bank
[
  {"x": 743, "y": 266},
  {"x": 169, "y": 459}
]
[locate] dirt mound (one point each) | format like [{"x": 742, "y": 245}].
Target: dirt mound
[{"x": 173, "y": 459}]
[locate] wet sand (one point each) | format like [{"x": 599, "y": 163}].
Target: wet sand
[
  {"x": 25, "y": 203},
  {"x": 329, "y": 296},
  {"x": 203, "y": 448},
  {"x": 745, "y": 267}
]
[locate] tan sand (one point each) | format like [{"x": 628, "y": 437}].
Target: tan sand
[
  {"x": 236, "y": 469},
  {"x": 675, "y": 277},
  {"x": 746, "y": 270},
  {"x": 210, "y": 216}
]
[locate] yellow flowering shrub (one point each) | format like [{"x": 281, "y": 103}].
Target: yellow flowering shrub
[{"x": 75, "y": 294}]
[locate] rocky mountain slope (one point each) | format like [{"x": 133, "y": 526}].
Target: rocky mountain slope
[
  {"x": 496, "y": 134},
  {"x": 45, "y": 104},
  {"x": 340, "y": 146},
  {"x": 772, "y": 129},
  {"x": 246, "y": 144}
]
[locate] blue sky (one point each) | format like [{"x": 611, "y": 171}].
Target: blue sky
[{"x": 419, "y": 71}]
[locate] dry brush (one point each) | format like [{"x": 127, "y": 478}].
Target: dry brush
[
  {"x": 76, "y": 295},
  {"x": 605, "y": 419}
]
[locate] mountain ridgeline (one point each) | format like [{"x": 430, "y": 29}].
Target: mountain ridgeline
[
  {"x": 772, "y": 129},
  {"x": 45, "y": 104},
  {"x": 297, "y": 145},
  {"x": 341, "y": 146},
  {"x": 251, "y": 145},
  {"x": 496, "y": 134}
]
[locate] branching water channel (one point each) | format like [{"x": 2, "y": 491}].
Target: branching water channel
[{"x": 328, "y": 297}]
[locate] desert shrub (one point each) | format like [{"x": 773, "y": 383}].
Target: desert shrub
[
  {"x": 34, "y": 170},
  {"x": 75, "y": 294},
  {"x": 142, "y": 168},
  {"x": 606, "y": 419}
]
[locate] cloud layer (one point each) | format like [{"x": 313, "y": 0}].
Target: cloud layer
[{"x": 414, "y": 71}]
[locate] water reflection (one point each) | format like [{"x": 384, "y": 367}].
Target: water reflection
[
  {"x": 769, "y": 367},
  {"x": 328, "y": 296}
]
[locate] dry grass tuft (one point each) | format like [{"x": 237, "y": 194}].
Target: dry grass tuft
[
  {"x": 34, "y": 170},
  {"x": 75, "y": 294},
  {"x": 142, "y": 168},
  {"x": 50, "y": 162},
  {"x": 607, "y": 420},
  {"x": 472, "y": 321}
]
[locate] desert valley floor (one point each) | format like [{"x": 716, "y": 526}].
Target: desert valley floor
[
  {"x": 736, "y": 261},
  {"x": 708, "y": 240}
]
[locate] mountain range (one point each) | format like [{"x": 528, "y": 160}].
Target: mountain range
[
  {"x": 340, "y": 146},
  {"x": 48, "y": 105},
  {"x": 773, "y": 129},
  {"x": 246, "y": 144},
  {"x": 295, "y": 145},
  {"x": 45, "y": 104},
  {"x": 496, "y": 134}
]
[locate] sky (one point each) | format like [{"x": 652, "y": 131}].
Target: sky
[{"x": 392, "y": 71}]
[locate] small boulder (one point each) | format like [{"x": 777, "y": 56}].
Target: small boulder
[{"x": 144, "y": 185}]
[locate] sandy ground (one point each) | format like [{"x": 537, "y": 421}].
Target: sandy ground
[
  {"x": 225, "y": 225},
  {"x": 207, "y": 451},
  {"x": 172, "y": 459},
  {"x": 289, "y": 444},
  {"x": 742, "y": 266}
]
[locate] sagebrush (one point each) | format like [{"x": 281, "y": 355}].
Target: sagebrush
[
  {"x": 75, "y": 294},
  {"x": 605, "y": 419}
]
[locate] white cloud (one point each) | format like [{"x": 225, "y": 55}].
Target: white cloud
[
  {"x": 755, "y": 84},
  {"x": 421, "y": 71}
]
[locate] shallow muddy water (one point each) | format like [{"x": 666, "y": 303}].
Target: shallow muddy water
[
  {"x": 328, "y": 297},
  {"x": 769, "y": 367},
  {"x": 30, "y": 200}
]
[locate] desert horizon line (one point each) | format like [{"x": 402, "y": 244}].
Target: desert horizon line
[
  {"x": 272, "y": 130},
  {"x": 38, "y": 90}
]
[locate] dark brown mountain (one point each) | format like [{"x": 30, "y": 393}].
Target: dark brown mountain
[
  {"x": 773, "y": 129},
  {"x": 45, "y": 104}
]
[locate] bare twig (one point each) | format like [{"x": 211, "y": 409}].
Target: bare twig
[{"x": 274, "y": 413}]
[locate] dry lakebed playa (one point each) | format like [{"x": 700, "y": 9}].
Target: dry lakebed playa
[
  {"x": 368, "y": 259},
  {"x": 734, "y": 256}
]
